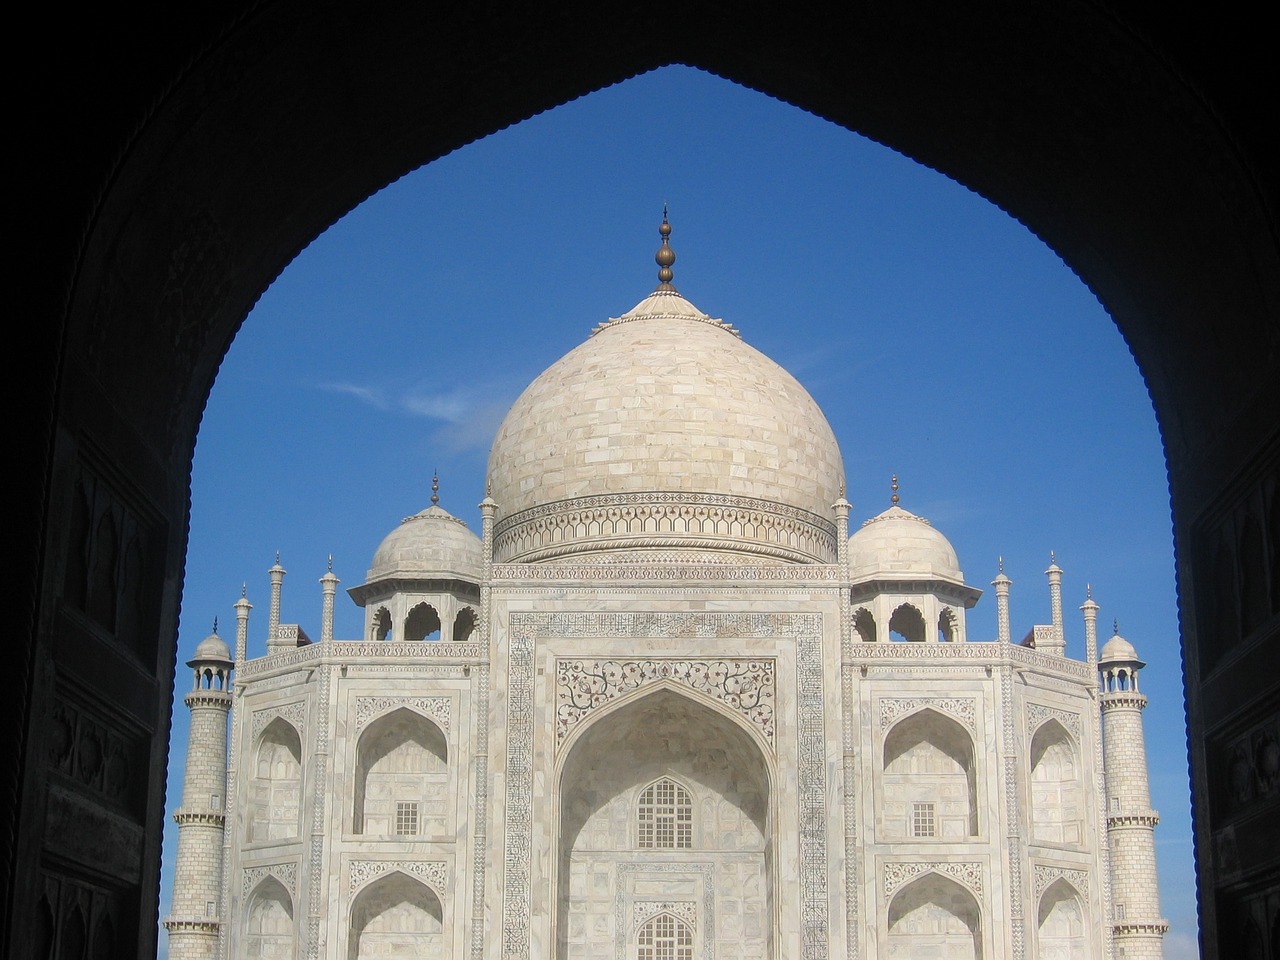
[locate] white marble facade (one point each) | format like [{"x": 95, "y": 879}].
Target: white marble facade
[{"x": 663, "y": 706}]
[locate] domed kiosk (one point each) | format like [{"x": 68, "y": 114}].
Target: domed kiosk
[{"x": 662, "y": 718}]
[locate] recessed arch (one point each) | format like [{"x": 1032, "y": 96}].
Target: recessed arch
[
  {"x": 1062, "y": 930},
  {"x": 1057, "y": 786},
  {"x": 269, "y": 931},
  {"x": 396, "y": 915},
  {"x": 402, "y": 776},
  {"x": 930, "y": 788},
  {"x": 422, "y": 623},
  {"x": 275, "y": 784},
  {"x": 864, "y": 624},
  {"x": 934, "y": 915},
  {"x": 709, "y": 769}
]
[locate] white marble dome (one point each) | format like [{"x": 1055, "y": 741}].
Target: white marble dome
[
  {"x": 899, "y": 545},
  {"x": 665, "y": 399},
  {"x": 431, "y": 545},
  {"x": 212, "y": 648},
  {"x": 1118, "y": 649}
]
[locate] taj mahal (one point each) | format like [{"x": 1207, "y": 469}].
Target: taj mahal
[{"x": 667, "y": 703}]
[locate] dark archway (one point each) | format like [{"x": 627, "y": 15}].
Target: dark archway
[{"x": 178, "y": 162}]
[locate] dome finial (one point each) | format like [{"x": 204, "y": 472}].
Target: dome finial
[
  {"x": 1115, "y": 626},
  {"x": 894, "y": 498},
  {"x": 215, "y": 625},
  {"x": 665, "y": 256},
  {"x": 1000, "y": 561},
  {"x": 435, "y": 487}
]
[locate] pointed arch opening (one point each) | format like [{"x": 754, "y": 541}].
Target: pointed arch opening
[
  {"x": 275, "y": 789},
  {"x": 396, "y": 916},
  {"x": 423, "y": 623},
  {"x": 933, "y": 916},
  {"x": 664, "y": 798},
  {"x": 380, "y": 626},
  {"x": 268, "y": 926},
  {"x": 948, "y": 626},
  {"x": 402, "y": 777},
  {"x": 1057, "y": 788},
  {"x": 930, "y": 784},
  {"x": 907, "y": 623},
  {"x": 664, "y": 937},
  {"x": 464, "y": 624},
  {"x": 864, "y": 624},
  {"x": 1061, "y": 931}
]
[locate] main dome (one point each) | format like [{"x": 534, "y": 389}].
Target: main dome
[{"x": 667, "y": 412}]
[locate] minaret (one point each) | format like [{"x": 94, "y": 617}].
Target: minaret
[
  {"x": 329, "y": 584},
  {"x": 1058, "y": 645},
  {"x": 273, "y": 616},
  {"x": 1002, "y": 584},
  {"x": 194, "y": 922},
  {"x": 1137, "y": 928}
]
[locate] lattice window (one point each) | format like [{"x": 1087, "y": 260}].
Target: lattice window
[
  {"x": 665, "y": 817},
  {"x": 406, "y": 819},
  {"x": 923, "y": 821},
  {"x": 665, "y": 938}
]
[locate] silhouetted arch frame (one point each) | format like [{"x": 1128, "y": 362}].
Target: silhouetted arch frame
[
  {"x": 165, "y": 233},
  {"x": 602, "y": 715}
]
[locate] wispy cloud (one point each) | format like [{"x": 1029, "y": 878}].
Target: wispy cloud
[
  {"x": 371, "y": 396},
  {"x": 452, "y": 407}
]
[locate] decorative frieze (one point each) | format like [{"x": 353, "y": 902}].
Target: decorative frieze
[
  {"x": 644, "y": 910},
  {"x": 665, "y": 519},
  {"x": 437, "y": 708},
  {"x": 295, "y": 713},
  {"x": 966, "y": 873},
  {"x": 1047, "y": 873},
  {"x": 338, "y": 651},
  {"x": 744, "y": 685},
  {"x": 963, "y": 709},
  {"x": 286, "y": 873},
  {"x": 1038, "y": 713},
  {"x": 667, "y": 567},
  {"x": 434, "y": 873}
]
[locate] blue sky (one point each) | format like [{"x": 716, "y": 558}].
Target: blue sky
[{"x": 944, "y": 341}]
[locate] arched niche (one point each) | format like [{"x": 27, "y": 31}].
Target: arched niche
[
  {"x": 673, "y": 745},
  {"x": 907, "y": 623},
  {"x": 1061, "y": 930},
  {"x": 275, "y": 786},
  {"x": 422, "y": 623},
  {"x": 933, "y": 916},
  {"x": 268, "y": 923},
  {"x": 396, "y": 916},
  {"x": 1057, "y": 788},
  {"x": 665, "y": 937},
  {"x": 930, "y": 784},
  {"x": 402, "y": 777}
]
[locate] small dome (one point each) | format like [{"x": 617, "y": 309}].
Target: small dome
[
  {"x": 432, "y": 544},
  {"x": 899, "y": 545},
  {"x": 212, "y": 647},
  {"x": 1118, "y": 649}
]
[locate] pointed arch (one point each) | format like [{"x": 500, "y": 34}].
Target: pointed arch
[
  {"x": 670, "y": 741},
  {"x": 275, "y": 787},
  {"x": 422, "y": 623},
  {"x": 907, "y": 623},
  {"x": 464, "y": 624},
  {"x": 948, "y": 626},
  {"x": 396, "y": 915},
  {"x": 930, "y": 781},
  {"x": 402, "y": 776},
  {"x": 934, "y": 916},
  {"x": 1057, "y": 786},
  {"x": 380, "y": 625},
  {"x": 864, "y": 624},
  {"x": 1061, "y": 930},
  {"x": 268, "y": 922},
  {"x": 664, "y": 937}
]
